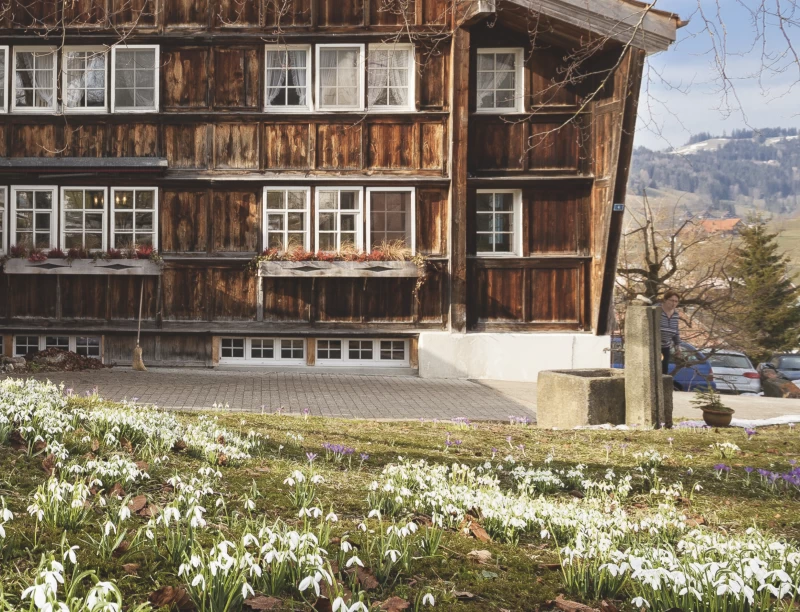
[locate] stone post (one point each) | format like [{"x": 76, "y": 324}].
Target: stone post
[{"x": 644, "y": 387}]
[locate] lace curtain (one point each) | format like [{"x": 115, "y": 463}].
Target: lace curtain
[
  {"x": 286, "y": 78},
  {"x": 34, "y": 79},
  {"x": 388, "y": 77}
]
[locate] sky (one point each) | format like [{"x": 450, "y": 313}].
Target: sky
[{"x": 683, "y": 92}]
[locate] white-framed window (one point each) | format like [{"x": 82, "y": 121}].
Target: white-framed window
[
  {"x": 372, "y": 352},
  {"x": 390, "y": 77},
  {"x": 83, "y": 218},
  {"x": 338, "y": 218},
  {"x": 34, "y": 85},
  {"x": 3, "y": 79},
  {"x": 288, "y": 78},
  {"x": 498, "y": 222},
  {"x": 134, "y": 217},
  {"x": 134, "y": 81},
  {"x": 83, "y": 79},
  {"x": 286, "y": 212},
  {"x": 57, "y": 342},
  {"x": 32, "y": 221},
  {"x": 262, "y": 351},
  {"x": 500, "y": 80},
  {"x": 391, "y": 216},
  {"x": 329, "y": 349},
  {"x": 340, "y": 77},
  {"x": 88, "y": 346},
  {"x": 25, "y": 345},
  {"x": 3, "y": 219}
]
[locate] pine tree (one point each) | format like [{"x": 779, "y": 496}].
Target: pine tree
[{"x": 769, "y": 316}]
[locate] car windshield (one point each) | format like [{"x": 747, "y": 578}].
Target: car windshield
[
  {"x": 791, "y": 362},
  {"x": 730, "y": 361}
]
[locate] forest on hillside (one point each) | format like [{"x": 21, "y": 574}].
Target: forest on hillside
[{"x": 759, "y": 170}]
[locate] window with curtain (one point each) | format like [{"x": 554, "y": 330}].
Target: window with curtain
[
  {"x": 497, "y": 222},
  {"x": 83, "y": 218},
  {"x": 35, "y": 79},
  {"x": 136, "y": 78},
  {"x": 391, "y": 76},
  {"x": 133, "y": 217},
  {"x": 3, "y": 70},
  {"x": 338, "y": 219},
  {"x": 32, "y": 218},
  {"x": 390, "y": 218},
  {"x": 499, "y": 80},
  {"x": 286, "y": 218},
  {"x": 287, "y": 78},
  {"x": 340, "y": 77},
  {"x": 84, "y": 79}
]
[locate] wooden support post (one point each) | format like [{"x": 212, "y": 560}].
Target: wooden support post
[
  {"x": 259, "y": 298},
  {"x": 458, "y": 190},
  {"x": 311, "y": 351}
]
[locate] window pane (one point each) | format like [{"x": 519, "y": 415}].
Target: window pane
[
  {"x": 347, "y": 200},
  {"x": 504, "y": 201},
  {"x": 297, "y": 199},
  {"x": 275, "y": 199},
  {"x": 145, "y": 199}
]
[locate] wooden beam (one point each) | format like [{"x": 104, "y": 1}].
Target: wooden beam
[{"x": 459, "y": 128}]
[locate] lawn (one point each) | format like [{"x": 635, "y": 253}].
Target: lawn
[{"x": 125, "y": 507}]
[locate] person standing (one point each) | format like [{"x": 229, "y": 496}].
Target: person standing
[{"x": 670, "y": 337}]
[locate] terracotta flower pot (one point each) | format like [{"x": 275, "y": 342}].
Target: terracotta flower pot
[{"x": 717, "y": 419}]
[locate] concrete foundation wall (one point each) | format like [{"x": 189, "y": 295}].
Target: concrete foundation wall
[{"x": 512, "y": 357}]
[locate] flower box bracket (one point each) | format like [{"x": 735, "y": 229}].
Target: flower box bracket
[{"x": 339, "y": 269}]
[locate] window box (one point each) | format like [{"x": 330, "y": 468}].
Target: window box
[
  {"x": 125, "y": 267},
  {"x": 341, "y": 269}
]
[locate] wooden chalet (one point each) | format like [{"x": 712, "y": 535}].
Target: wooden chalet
[{"x": 492, "y": 138}]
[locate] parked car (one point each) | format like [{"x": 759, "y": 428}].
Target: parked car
[
  {"x": 689, "y": 368},
  {"x": 787, "y": 364},
  {"x": 734, "y": 372}
]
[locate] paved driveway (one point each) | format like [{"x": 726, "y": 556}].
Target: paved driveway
[{"x": 345, "y": 395}]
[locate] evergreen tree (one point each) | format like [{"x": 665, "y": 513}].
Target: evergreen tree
[{"x": 769, "y": 315}]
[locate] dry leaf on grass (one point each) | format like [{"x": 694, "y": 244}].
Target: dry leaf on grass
[
  {"x": 607, "y": 606},
  {"x": 572, "y": 606},
  {"x": 262, "y": 602},
  {"x": 120, "y": 550},
  {"x": 117, "y": 491},
  {"x": 176, "y": 598},
  {"x": 366, "y": 578},
  {"x": 137, "y": 503},
  {"x": 126, "y": 445},
  {"x": 481, "y": 556},
  {"x": 49, "y": 464},
  {"x": 95, "y": 445},
  {"x": 464, "y": 595},
  {"x": 395, "y": 604},
  {"x": 131, "y": 568}
]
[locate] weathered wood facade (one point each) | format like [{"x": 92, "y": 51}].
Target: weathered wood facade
[{"x": 215, "y": 146}]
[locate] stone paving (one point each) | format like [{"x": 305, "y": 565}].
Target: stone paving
[{"x": 370, "y": 396}]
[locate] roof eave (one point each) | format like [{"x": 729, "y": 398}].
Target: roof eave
[{"x": 628, "y": 23}]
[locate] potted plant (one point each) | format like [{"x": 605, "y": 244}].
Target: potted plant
[{"x": 715, "y": 413}]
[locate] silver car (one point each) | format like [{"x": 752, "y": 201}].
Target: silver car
[{"x": 734, "y": 372}]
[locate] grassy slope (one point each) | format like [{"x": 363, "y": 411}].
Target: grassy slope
[{"x": 525, "y": 576}]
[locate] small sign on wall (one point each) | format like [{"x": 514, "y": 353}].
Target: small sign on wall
[{"x": 619, "y": 208}]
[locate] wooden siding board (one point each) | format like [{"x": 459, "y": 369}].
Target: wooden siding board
[
  {"x": 134, "y": 140},
  {"x": 236, "y": 146},
  {"x": 287, "y": 146},
  {"x": 185, "y": 77},
  {"x": 235, "y": 221},
  {"x": 497, "y": 144},
  {"x": 34, "y": 140},
  {"x": 184, "y": 293},
  {"x": 288, "y": 13},
  {"x": 185, "y": 13},
  {"x": 339, "y": 146},
  {"x": 554, "y": 295},
  {"x": 237, "y": 77},
  {"x": 236, "y": 13},
  {"x": 124, "y": 297},
  {"x": 186, "y": 146},
  {"x": 184, "y": 221},
  {"x": 339, "y": 13},
  {"x": 432, "y": 219},
  {"x": 88, "y": 140},
  {"x": 391, "y": 146},
  {"x": 392, "y": 12},
  {"x": 287, "y": 299},
  {"x": 234, "y": 294},
  {"x": 130, "y": 13},
  {"x": 32, "y": 296},
  {"x": 79, "y": 13}
]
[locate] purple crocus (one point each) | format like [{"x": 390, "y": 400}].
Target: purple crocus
[
  {"x": 311, "y": 457},
  {"x": 750, "y": 432},
  {"x": 749, "y": 470},
  {"x": 364, "y": 457}
]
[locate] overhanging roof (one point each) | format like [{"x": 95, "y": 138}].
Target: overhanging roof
[
  {"x": 625, "y": 21},
  {"x": 44, "y": 165}
]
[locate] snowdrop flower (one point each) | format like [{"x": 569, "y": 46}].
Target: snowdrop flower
[
  {"x": 393, "y": 554},
  {"x": 353, "y": 560},
  {"x": 428, "y": 600},
  {"x": 70, "y": 554}
]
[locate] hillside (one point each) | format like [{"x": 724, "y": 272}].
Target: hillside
[{"x": 727, "y": 175}]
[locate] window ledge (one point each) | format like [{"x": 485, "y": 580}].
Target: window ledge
[
  {"x": 85, "y": 267},
  {"x": 342, "y": 269}
]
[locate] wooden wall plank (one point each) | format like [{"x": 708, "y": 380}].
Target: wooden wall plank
[
  {"x": 129, "y": 13},
  {"x": 557, "y": 220},
  {"x": 88, "y": 140},
  {"x": 554, "y": 295},
  {"x": 183, "y": 221},
  {"x": 434, "y": 76},
  {"x": 36, "y": 13},
  {"x": 185, "y": 13},
  {"x": 236, "y": 146},
  {"x": 234, "y": 294},
  {"x": 288, "y": 13},
  {"x": 26, "y": 295},
  {"x": 338, "y": 299},
  {"x": 185, "y": 77},
  {"x": 235, "y": 221},
  {"x": 287, "y": 299},
  {"x": 432, "y": 221},
  {"x": 184, "y": 293},
  {"x": 339, "y": 13},
  {"x": 391, "y": 146},
  {"x": 388, "y": 300},
  {"x": 339, "y": 146},
  {"x": 34, "y": 140},
  {"x": 496, "y": 145},
  {"x": 186, "y": 145},
  {"x": 287, "y": 146},
  {"x": 236, "y": 13},
  {"x": 237, "y": 77},
  {"x": 79, "y": 13},
  {"x": 433, "y": 152},
  {"x": 393, "y": 12},
  {"x": 124, "y": 297},
  {"x": 134, "y": 140}
]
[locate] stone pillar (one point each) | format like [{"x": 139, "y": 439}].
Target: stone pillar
[{"x": 644, "y": 387}]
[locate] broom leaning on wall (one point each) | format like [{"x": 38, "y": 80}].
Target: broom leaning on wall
[{"x": 138, "y": 363}]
